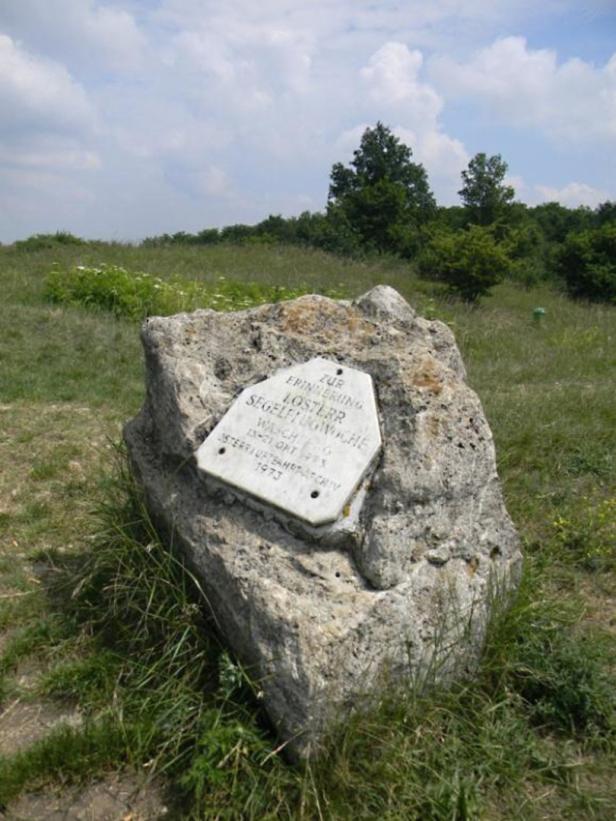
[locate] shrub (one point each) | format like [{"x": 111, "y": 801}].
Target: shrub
[
  {"x": 111, "y": 288},
  {"x": 42, "y": 242},
  {"x": 470, "y": 261},
  {"x": 587, "y": 263}
]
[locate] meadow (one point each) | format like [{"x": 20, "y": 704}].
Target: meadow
[{"x": 100, "y": 622}]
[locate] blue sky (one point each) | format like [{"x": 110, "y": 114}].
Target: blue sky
[{"x": 121, "y": 119}]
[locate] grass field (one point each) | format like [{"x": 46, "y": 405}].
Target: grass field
[{"x": 101, "y": 625}]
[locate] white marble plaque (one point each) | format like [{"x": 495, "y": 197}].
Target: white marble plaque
[{"x": 301, "y": 440}]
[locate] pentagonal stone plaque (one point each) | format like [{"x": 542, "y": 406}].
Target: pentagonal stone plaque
[{"x": 301, "y": 440}]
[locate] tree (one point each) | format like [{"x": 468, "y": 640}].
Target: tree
[
  {"x": 484, "y": 193},
  {"x": 556, "y": 221},
  {"x": 605, "y": 212},
  {"x": 382, "y": 194}
]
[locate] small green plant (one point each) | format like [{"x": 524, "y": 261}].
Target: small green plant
[
  {"x": 135, "y": 295},
  {"x": 587, "y": 536}
]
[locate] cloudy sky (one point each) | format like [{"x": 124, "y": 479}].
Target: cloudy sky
[{"x": 121, "y": 119}]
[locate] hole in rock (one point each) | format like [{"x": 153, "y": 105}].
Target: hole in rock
[
  {"x": 314, "y": 494},
  {"x": 222, "y": 450}
]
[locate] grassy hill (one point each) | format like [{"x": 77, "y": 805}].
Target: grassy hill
[{"x": 97, "y": 621}]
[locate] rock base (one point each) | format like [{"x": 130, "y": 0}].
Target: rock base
[{"x": 326, "y": 627}]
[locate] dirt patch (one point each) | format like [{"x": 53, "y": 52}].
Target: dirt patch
[
  {"x": 116, "y": 798},
  {"x": 22, "y": 723}
]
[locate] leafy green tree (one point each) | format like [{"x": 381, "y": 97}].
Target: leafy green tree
[
  {"x": 587, "y": 263},
  {"x": 605, "y": 212},
  {"x": 382, "y": 193},
  {"x": 452, "y": 217},
  {"x": 484, "y": 193},
  {"x": 470, "y": 261},
  {"x": 556, "y": 221}
]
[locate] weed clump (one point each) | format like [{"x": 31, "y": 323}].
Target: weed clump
[
  {"x": 135, "y": 295},
  {"x": 587, "y": 537}
]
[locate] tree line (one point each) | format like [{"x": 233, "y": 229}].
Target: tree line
[{"x": 382, "y": 203}]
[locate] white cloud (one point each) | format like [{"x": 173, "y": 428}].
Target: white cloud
[
  {"x": 517, "y": 183},
  {"x": 215, "y": 181},
  {"x": 250, "y": 63},
  {"x": 445, "y": 157},
  {"x": 571, "y": 195},
  {"x": 38, "y": 93},
  {"x": 439, "y": 23},
  {"x": 50, "y": 153},
  {"x": 77, "y": 32},
  {"x": 528, "y": 87},
  {"x": 348, "y": 140},
  {"x": 46, "y": 130},
  {"x": 392, "y": 79}
]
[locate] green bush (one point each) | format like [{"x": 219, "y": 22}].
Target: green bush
[
  {"x": 135, "y": 295},
  {"x": 42, "y": 242},
  {"x": 587, "y": 264},
  {"x": 470, "y": 261}
]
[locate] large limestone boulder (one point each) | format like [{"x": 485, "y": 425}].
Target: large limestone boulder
[{"x": 327, "y": 617}]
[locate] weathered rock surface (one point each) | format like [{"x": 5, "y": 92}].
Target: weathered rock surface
[{"x": 408, "y": 597}]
